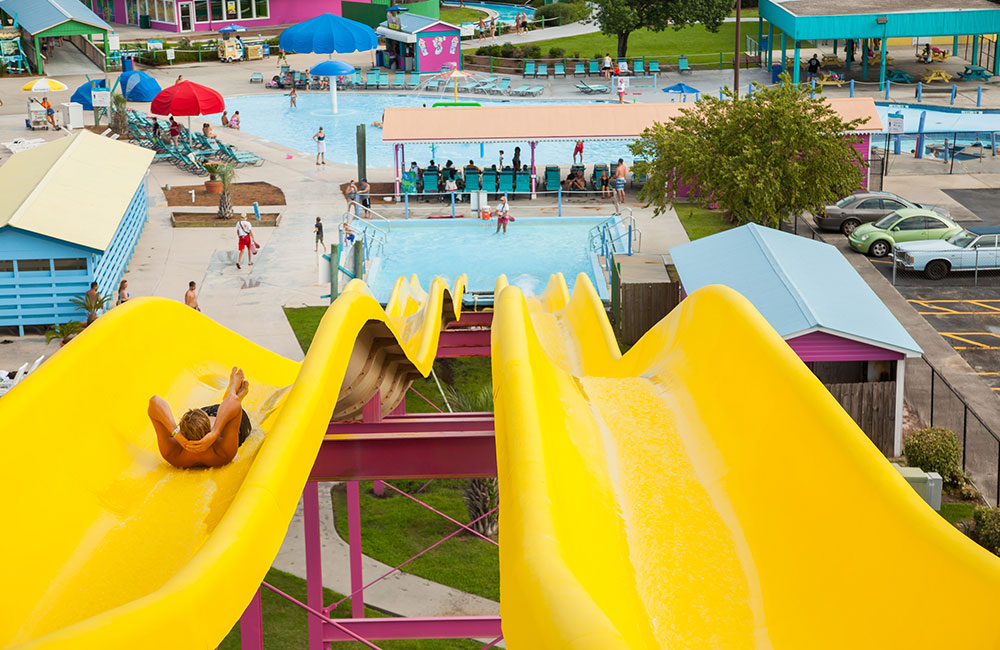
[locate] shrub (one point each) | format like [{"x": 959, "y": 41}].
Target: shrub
[
  {"x": 557, "y": 52},
  {"x": 936, "y": 449},
  {"x": 507, "y": 51},
  {"x": 532, "y": 52},
  {"x": 987, "y": 531},
  {"x": 562, "y": 13},
  {"x": 489, "y": 50}
]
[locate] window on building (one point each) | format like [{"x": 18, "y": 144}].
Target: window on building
[
  {"x": 201, "y": 11},
  {"x": 70, "y": 264},
  {"x": 168, "y": 11},
  {"x": 205, "y": 10},
  {"x": 32, "y": 266},
  {"x": 231, "y": 9},
  {"x": 246, "y": 8},
  {"x": 263, "y": 11},
  {"x": 6, "y": 266},
  {"x": 217, "y": 9}
]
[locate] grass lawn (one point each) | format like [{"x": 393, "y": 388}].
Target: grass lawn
[
  {"x": 956, "y": 512},
  {"x": 457, "y": 16},
  {"x": 304, "y": 321},
  {"x": 746, "y": 12},
  {"x": 394, "y": 528},
  {"x": 700, "y": 222},
  {"x": 668, "y": 43},
  {"x": 285, "y": 626}
]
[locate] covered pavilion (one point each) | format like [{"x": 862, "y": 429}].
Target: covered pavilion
[
  {"x": 67, "y": 19},
  {"x": 536, "y": 123},
  {"x": 874, "y": 20}
]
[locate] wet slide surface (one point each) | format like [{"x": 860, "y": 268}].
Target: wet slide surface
[{"x": 701, "y": 491}]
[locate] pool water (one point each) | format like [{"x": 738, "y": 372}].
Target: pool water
[
  {"x": 268, "y": 116},
  {"x": 532, "y": 249},
  {"x": 506, "y": 13},
  {"x": 941, "y": 120}
]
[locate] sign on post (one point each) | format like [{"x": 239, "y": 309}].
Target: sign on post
[
  {"x": 114, "y": 42},
  {"x": 100, "y": 98},
  {"x": 170, "y": 54},
  {"x": 895, "y": 121}
]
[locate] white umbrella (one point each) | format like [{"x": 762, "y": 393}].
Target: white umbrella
[{"x": 43, "y": 85}]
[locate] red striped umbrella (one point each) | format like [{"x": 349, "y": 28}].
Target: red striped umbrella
[{"x": 188, "y": 98}]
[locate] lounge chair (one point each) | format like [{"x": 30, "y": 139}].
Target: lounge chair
[
  {"x": 371, "y": 78},
  {"x": 520, "y": 90},
  {"x": 490, "y": 180},
  {"x": 654, "y": 67},
  {"x": 552, "y": 178},
  {"x": 578, "y": 70},
  {"x": 501, "y": 87},
  {"x": 682, "y": 64},
  {"x": 472, "y": 179},
  {"x": 543, "y": 70},
  {"x": 430, "y": 184},
  {"x": 256, "y": 78},
  {"x": 591, "y": 89},
  {"x": 240, "y": 158},
  {"x": 596, "y": 175},
  {"x": 356, "y": 80},
  {"x": 505, "y": 181},
  {"x": 558, "y": 69},
  {"x": 534, "y": 91},
  {"x": 414, "y": 80},
  {"x": 383, "y": 79},
  {"x": 522, "y": 182},
  {"x": 594, "y": 68},
  {"x": 529, "y": 69},
  {"x": 399, "y": 79},
  {"x": 637, "y": 67},
  {"x": 434, "y": 84}
]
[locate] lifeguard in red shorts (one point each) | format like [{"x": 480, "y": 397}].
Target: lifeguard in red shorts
[
  {"x": 245, "y": 239},
  {"x": 578, "y": 149}
]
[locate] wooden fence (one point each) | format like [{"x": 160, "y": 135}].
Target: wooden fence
[
  {"x": 872, "y": 405},
  {"x": 643, "y": 305}
]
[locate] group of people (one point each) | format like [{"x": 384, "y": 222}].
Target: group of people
[
  {"x": 521, "y": 22},
  {"x": 490, "y": 28},
  {"x": 611, "y": 187},
  {"x": 359, "y": 194},
  {"x": 231, "y": 122}
]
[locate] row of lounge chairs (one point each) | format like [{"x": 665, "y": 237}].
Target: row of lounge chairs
[
  {"x": 507, "y": 181},
  {"x": 190, "y": 151},
  {"x": 591, "y": 68},
  {"x": 399, "y": 80}
]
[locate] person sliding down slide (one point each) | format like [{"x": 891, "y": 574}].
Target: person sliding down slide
[{"x": 205, "y": 437}]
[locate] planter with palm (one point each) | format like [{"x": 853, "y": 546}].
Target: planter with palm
[
  {"x": 119, "y": 118},
  {"x": 64, "y": 332},
  {"x": 226, "y": 174},
  {"x": 213, "y": 185},
  {"x": 90, "y": 305},
  {"x": 481, "y": 494}
]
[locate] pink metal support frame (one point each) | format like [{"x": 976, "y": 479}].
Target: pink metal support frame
[
  {"x": 314, "y": 561},
  {"x": 354, "y": 543},
  {"x": 252, "y": 625}
]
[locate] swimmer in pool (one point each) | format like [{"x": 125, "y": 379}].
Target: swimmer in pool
[{"x": 205, "y": 437}]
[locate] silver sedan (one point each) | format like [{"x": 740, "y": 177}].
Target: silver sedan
[{"x": 864, "y": 207}]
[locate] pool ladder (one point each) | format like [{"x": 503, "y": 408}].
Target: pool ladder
[{"x": 618, "y": 234}]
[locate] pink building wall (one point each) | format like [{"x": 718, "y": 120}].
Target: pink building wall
[{"x": 282, "y": 12}]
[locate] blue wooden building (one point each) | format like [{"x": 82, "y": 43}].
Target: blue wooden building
[{"x": 71, "y": 212}]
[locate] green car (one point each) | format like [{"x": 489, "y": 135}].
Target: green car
[{"x": 909, "y": 224}]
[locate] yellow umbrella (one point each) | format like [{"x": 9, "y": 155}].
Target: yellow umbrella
[
  {"x": 43, "y": 85},
  {"x": 455, "y": 75}
]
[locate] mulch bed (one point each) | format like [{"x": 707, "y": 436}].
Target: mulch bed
[
  {"x": 244, "y": 194},
  {"x": 209, "y": 220}
]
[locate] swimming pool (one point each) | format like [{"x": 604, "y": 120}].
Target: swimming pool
[
  {"x": 505, "y": 12},
  {"x": 532, "y": 249},
  {"x": 941, "y": 119},
  {"x": 268, "y": 116}
]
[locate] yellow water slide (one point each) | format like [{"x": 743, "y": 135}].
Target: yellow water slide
[
  {"x": 107, "y": 547},
  {"x": 705, "y": 491}
]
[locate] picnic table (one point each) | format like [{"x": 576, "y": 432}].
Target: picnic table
[
  {"x": 935, "y": 74},
  {"x": 898, "y": 76},
  {"x": 831, "y": 60},
  {"x": 828, "y": 79},
  {"x": 975, "y": 72},
  {"x": 877, "y": 58}
]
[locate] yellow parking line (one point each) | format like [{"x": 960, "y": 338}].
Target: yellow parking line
[
  {"x": 979, "y": 346},
  {"x": 984, "y": 374},
  {"x": 979, "y": 303}
]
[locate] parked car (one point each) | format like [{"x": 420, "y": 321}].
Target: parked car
[
  {"x": 964, "y": 251},
  {"x": 909, "y": 224},
  {"x": 864, "y": 207}
]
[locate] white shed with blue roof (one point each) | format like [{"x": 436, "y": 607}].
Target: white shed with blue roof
[
  {"x": 819, "y": 304},
  {"x": 71, "y": 212}
]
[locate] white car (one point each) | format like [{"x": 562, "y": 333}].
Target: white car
[{"x": 970, "y": 249}]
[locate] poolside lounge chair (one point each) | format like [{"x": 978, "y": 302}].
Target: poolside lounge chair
[
  {"x": 240, "y": 158},
  {"x": 472, "y": 180},
  {"x": 578, "y": 70},
  {"x": 399, "y": 79},
  {"x": 595, "y": 182},
  {"x": 414, "y": 80},
  {"x": 383, "y": 79},
  {"x": 552, "y": 179},
  {"x": 654, "y": 67},
  {"x": 501, "y": 87},
  {"x": 558, "y": 69},
  {"x": 522, "y": 182},
  {"x": 534, "y": 91},
  {"x": 490, "y": 180},
  {"x": 356, "y": 81},
  {"x": 431, "y": 177},
  {"x": 520, "y": 90},
  {"x": 434, "y": 84},
  {"x": 682, "y": 64},
  {"x": 637, "y": 67},
  {"x": 591, "y": 89},
  {"x": 594, "y": 68},
  {"x": 529, "y": 69},
  {"x": 256, "y": 77},
  {"x": 543, "y": 70},
  {"x": 505, "y": 181}
]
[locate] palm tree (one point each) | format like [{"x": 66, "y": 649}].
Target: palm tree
[
  {"x": 119, "y": 119},
  {"x": 226, "y": 174},
  {"x": 481, "y": 494},
  {"x": 91, "y": 305},
  {"x": 64, "y": 332}
]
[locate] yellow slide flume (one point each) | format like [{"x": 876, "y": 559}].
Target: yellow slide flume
[
  {"x": 104, "y": 545},
  {"x": 704, "y": 491}
]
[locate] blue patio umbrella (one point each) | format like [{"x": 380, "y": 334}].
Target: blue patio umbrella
[
  {"x": 332, "y": 68},
  {"x": 232, "y": 28},
  {"x": 681, "y": 89},
  {"x": 138, "y": 86},
  {"x": 398, "y": 8},
  {"x": 82, "y": 94}
]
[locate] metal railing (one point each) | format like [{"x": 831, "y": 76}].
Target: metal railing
[{"x": 619, "y": 229}]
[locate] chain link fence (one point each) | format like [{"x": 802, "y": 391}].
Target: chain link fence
[{"x": 935, "y": 152}]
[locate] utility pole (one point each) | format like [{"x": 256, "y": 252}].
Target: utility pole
[{"x": 736, "y": 53}]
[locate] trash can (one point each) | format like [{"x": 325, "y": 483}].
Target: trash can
[
  {"x": 144, "y": 21},
  {"x": 776, "y": 71}
]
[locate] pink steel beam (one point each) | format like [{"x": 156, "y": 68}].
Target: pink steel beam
[
  {"x": 385, "y": 629},
  {"x": 464, "y": 343},
  {"x": 455, "y": 454},
  {"x": 314, "y": 561},
  {"x": 252, "y": 625},
  {"x": 473, "y": 319},
  {"x": 354, "y": 550},
  {"x": 416, "y": 423}
]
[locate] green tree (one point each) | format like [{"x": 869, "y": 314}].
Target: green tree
[
  {"x": 622, "y": 17},
  {"x": 761, "y": 158}
]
